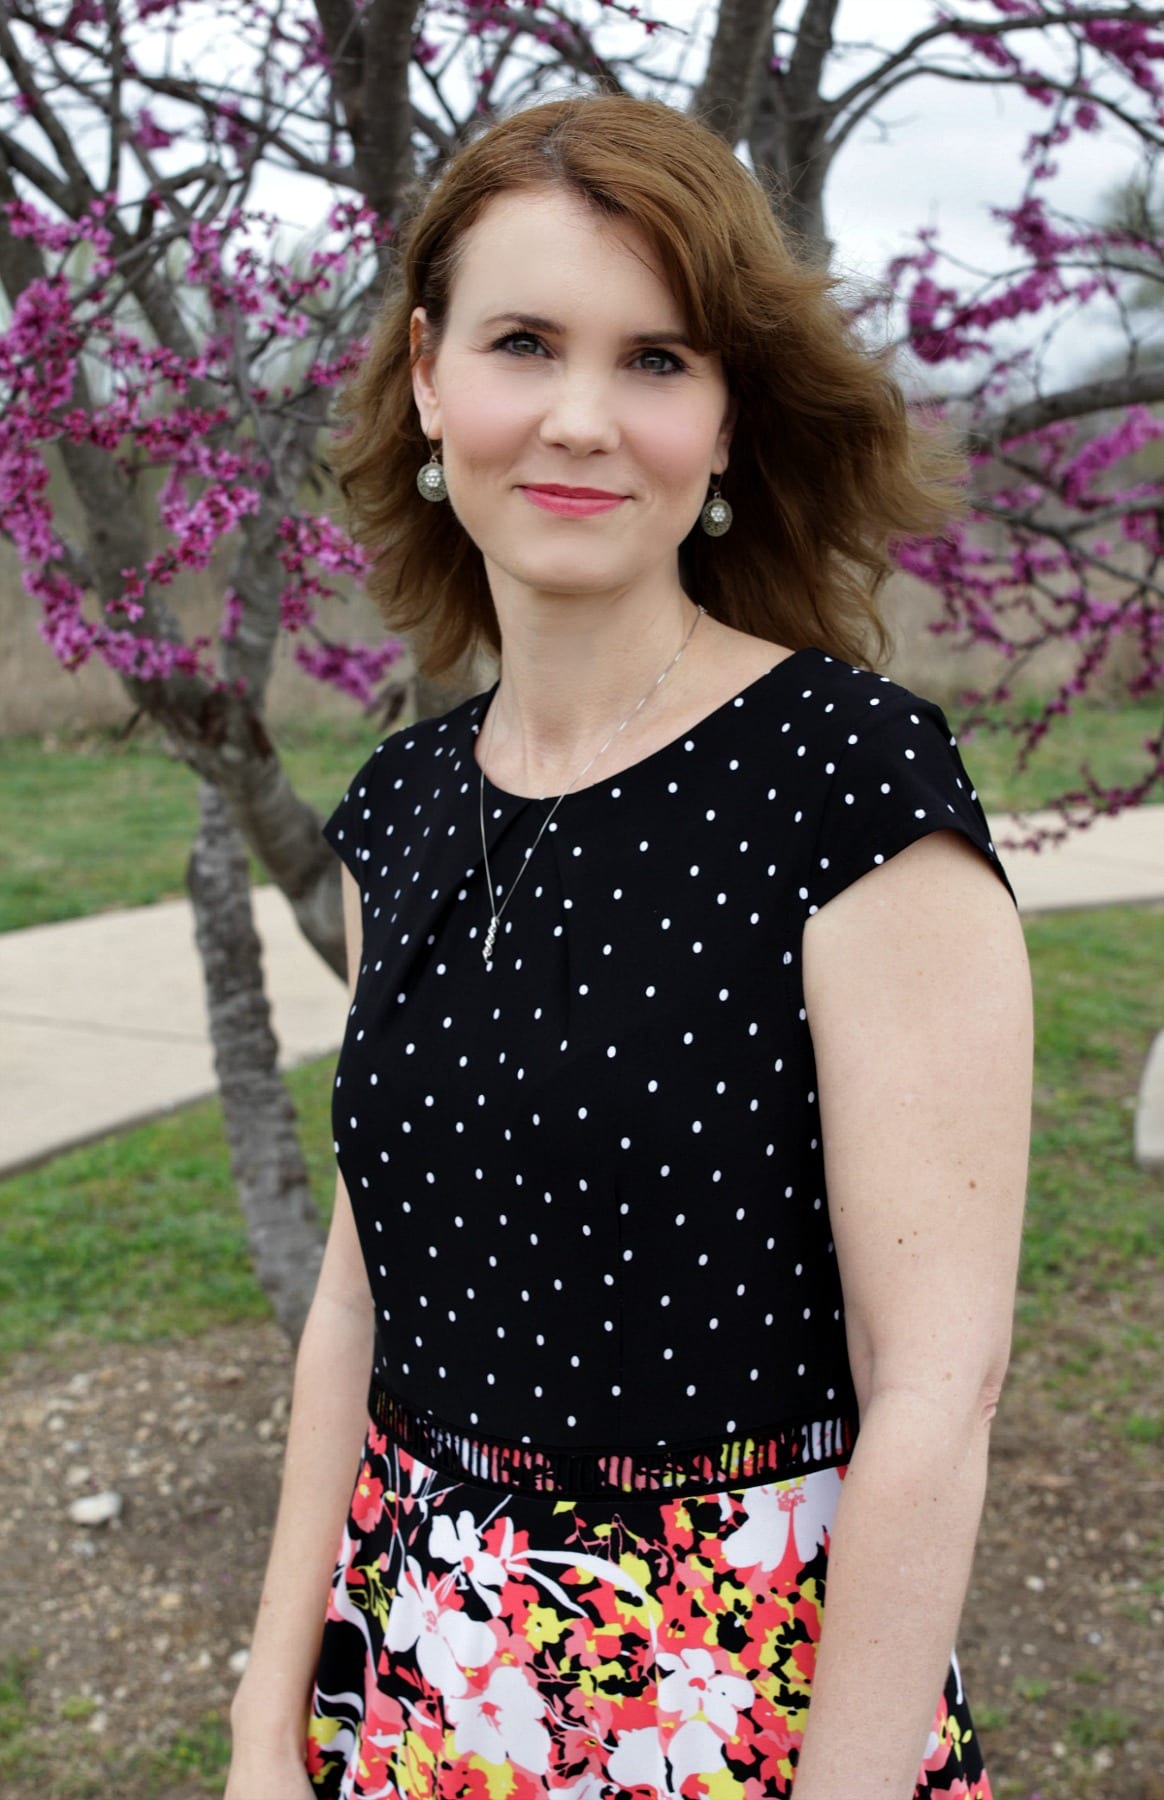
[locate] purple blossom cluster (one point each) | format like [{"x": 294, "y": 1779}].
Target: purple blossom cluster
[{"x": 72, "y": 372}]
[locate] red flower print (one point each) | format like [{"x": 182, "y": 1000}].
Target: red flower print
[{"x": 368, "y": 1499}]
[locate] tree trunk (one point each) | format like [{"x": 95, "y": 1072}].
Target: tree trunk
[{"x": 283, "y": 1226}]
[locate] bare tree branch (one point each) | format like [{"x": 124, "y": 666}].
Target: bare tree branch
[
  {"x": 1146, "y": 388},
  {"x": 25, "y": 163},
  {"x": 963, "y": 28},
  {"x": 74, "y": 169}
]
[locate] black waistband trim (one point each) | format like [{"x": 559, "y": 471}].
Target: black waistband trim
[{"x": 771, "y": 1453}]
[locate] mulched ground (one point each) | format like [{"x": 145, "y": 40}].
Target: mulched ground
[{"x": 124, "y": 1634}]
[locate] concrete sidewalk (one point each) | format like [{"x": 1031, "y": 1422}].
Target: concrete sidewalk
[{"x": 102, "y": 1020}]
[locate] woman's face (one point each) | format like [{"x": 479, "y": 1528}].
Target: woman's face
[{"x": 539, "y": 380}]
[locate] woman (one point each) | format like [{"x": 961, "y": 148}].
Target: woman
[{"x": 682, "y": 1112}]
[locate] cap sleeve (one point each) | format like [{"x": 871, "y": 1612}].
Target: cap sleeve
[
  {"x": 898, "y": 779},
  {"x": 348, "y": 830}
]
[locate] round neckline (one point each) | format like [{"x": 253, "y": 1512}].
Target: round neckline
[{"x": 481, "y": 706}]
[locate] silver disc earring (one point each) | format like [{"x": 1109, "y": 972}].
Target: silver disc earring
[
  {"x": 716, "y": 517},
  {"x": 431, "y": 479}
]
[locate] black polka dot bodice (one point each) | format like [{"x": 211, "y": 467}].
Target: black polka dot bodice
[{"x": 588, "y": 1177}]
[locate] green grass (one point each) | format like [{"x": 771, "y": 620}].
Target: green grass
[
  {"x": 16, "y": 1674},
  {"x": 89, "y": 823},
  {"x": 199, "y": 1757},
  {"x": 1093, "y": 1218},
  {"x": 1093, "y": 1730},
  {"x": 139, "y": 1237},
  {"x": 1109, "y": 738}
]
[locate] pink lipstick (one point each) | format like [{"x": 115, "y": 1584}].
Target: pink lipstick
[{"x": 572, "y": 503}]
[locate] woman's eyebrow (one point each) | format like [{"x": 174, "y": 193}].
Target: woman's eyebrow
[{"x": 535, "y": 322}]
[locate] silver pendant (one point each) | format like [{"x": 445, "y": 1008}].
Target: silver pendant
[{"x": 490, "y": 937}]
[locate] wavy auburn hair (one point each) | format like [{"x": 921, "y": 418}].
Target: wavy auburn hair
[{"x": 826, "y": 466}]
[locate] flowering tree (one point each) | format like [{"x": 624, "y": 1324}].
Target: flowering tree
[{"x": 170, "y": 360}]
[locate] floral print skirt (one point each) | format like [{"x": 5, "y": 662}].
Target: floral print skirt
[{"x": 498, "y": 1644}]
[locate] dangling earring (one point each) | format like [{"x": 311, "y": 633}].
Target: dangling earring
[
  {"x": 716, "y": 516},
  {"x": 431, "y": 479}
]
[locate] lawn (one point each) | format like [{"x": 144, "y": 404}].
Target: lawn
[{"x": 92, "y": 822}]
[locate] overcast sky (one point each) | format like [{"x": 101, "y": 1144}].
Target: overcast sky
[{"x": 943, "y": 153}]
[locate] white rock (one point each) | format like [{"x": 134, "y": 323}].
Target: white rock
[
  {"x": 238, "y": 1662},
  {"x": 95, "y": 1509}
]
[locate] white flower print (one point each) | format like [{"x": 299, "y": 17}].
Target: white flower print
[
  {"x": 640, "y": 1758},
  {"x": 460, "y": 1544},
  {"x": 693, "y": 1686},
  {"x": 503, "y": 1724},
  {"x": 447, "y": 1642},
  {"x": 804, "y": 1506}
]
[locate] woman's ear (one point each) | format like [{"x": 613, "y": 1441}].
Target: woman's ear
[
  {"x": 723, "y": 441},
  {"x": 423, "y": 373}
]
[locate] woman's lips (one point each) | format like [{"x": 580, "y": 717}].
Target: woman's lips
[{"x": 571, "y": 506}]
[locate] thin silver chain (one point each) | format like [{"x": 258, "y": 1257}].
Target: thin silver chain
[{"x": 495, "y": 910}]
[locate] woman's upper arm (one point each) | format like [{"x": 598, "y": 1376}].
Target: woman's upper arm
[
  {"x": 343, "y": 1276},
  {"x": 918, "y": 995}
]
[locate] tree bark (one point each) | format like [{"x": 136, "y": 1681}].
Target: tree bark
[
  {"x": 1141, "y": 387},
  {"x": 743, "y": 33},
  {"x": 788, "y": 130},
  {"x": 283, "y": 1226}
]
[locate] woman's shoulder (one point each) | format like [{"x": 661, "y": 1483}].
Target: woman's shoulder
[
  {"x": 882, "y": 768},
  {"x": 825, "y": 712},
  {"x": 848, "y": 692}
]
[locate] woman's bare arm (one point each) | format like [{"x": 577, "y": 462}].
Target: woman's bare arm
[
  {"x": 918, "y": 994},
  {"x": 326, "y": 1429}
]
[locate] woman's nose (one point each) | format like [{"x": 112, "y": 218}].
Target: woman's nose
[{"x": 579, "y": 414}]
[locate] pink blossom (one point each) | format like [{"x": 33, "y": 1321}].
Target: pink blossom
[{"x": 149, "y": 134}]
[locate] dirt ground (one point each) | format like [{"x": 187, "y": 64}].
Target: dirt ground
[{"x": 118, "y": 1640}]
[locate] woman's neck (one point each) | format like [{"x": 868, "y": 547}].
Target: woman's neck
[{"x": 561, "y": 696}]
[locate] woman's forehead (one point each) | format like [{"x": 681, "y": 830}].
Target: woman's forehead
[{"x": 546, "y": 253}]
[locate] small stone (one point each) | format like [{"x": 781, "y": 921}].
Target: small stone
[
  {"x": 238, "y": 1662},
  {"x": 169, "y": 1600},
  {"x": 96, "y": 1509},
  {"x": 1036, "y": 1583}
]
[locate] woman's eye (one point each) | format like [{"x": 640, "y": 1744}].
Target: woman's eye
[
  {"x": 528, "y": 337},
  {"x": 677, "y": 364},
  {"x": 515, "y": 337}
]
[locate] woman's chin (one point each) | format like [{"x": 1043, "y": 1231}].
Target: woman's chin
[{"x": 565, "y": 576}]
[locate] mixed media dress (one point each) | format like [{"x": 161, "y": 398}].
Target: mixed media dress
[{"x": 611, "y": 1406}]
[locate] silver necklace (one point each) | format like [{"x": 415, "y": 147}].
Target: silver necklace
[{"x": 495, "y": 910}]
